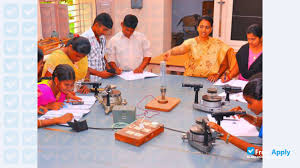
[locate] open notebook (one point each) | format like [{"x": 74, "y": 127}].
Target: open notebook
[{"x": 78, "y": 111}]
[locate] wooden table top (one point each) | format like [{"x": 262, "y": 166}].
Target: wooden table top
[{"x": 173, "y": 60}]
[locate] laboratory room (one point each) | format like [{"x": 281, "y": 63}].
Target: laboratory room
[{"x": 149, "y": 83}]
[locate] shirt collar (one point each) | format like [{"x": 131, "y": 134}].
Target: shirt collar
[
  {"x": 131, "y": 37},
  {"x": 92, "y": 34}
]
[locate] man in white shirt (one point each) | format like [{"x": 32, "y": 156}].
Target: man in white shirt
[
  {"x": 129, "y": 50},
  {"x": 96, "y": 60}
]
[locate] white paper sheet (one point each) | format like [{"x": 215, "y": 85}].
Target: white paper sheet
[
  {"x": 240, "y": 127},
  {"x": 78, "y": 114},
  {"x": 78, "y": 107},
  {"x": 88, "y": 99},
  {"x": 134, "y": 76},
  {"x": 234, "y": 82},
  {"x": 78, "y": 111}
]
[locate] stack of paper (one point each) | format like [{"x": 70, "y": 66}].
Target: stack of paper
[
  {"x": 234, "y": 82},
  {"x": 78, "y": 111},
  {"x": 134, "y": 76},
  {"x": 236, "y": 127},
  {"x": 236, "y": 96}
]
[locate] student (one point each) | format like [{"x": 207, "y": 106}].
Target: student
[
  {"x": 129, "y": 50},
  {"x": 73, "y": 54},
  {"x": 96, "y": 36},
  {"x": 205, "y": 53},
  {"x": 53, "y": 92},
  {"x": 253, "y": 95},
  {"x": 43, "y": 109},
  {"x": 249, "y": 57}
]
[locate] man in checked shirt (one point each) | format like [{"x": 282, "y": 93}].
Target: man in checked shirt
[{"x": 96, "y": 35}]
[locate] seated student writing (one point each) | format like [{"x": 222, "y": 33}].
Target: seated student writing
[
  {"x": 253, "y": 95},
  {"x": 129, "y": 50},
  {"x": 53, "y": 92},
  {"x": 43, "y": 109}
]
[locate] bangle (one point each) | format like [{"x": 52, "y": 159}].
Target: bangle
[{"x": 227, "y": 138}]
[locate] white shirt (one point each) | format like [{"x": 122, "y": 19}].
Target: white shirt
[
  {"x": 128, "y": 53},
  {"x": 96, "y": 56}
]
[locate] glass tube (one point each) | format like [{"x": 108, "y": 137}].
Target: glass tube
[{"x": 163, "y": 82}]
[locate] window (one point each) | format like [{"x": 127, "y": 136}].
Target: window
[{"x": 78, "y": 14}]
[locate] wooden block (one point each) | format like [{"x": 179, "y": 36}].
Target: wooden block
[
  {"x": 136, "y": 135},
  {"x": 155, "y": 105}
]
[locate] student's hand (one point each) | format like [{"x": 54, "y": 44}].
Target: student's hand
[
  {"x": 138, "y": 70},
  {"x": 107, "y": 74},
  {"x": 213, "y": 77},
  {"x": 72, "y": 95},
  {"x": 64, "y": 119},
  {"x": 55, "y": 105},
  {"x": 73, "y": 98},
  {"x": 225, "y": 78},
  {"x": 84, "y": 89},
  {"x": 238, "y": 108},
  {"x": 219, "y": 129},
  {"x": 167, "y": 55},
  {"x": 42, "y": 110},
  {"x": 118, "y": 71}
]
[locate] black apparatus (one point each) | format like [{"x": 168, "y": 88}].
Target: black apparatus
[
  {"x": 78, "y": 126},
  {"x": 231, "y": 89},
  {"x": 219, "y": 116},
  {"x": 96, "y": 85},
  {"x": 200, "y": 136},
  {"x": 196, "y": 89},
  {"x": 211, "y": 102}
]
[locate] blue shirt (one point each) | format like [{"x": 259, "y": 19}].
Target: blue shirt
[{"x": 261, "y": 132}]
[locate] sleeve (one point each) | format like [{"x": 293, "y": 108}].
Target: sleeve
[
  {"x": 239, "y": 56},
  {"x": 188, "y": 42},
  {"x": 50, "y": 65},
  {"x": 231, "y": 58},
  {"x": 146, "y": 47},
  {"x": 44, "y": 96},
  {"x": 111, "y": 51}
]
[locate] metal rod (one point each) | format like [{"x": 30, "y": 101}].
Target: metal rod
[{"x": 221, "y": 2}]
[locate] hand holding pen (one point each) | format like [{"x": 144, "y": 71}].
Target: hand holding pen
[{"x": 225, "y": 78}]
